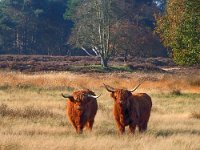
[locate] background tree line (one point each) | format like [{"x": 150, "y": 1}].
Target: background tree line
[
  {"x": 115, "y": 27},
  {"x": 33, "y": 27},
  {"x": 38, "y": 27},
  {"x": 104, "y": 28}
]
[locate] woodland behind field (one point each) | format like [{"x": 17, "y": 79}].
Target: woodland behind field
[
  {"x": 42, "y": 27},
  {"x": 103, "y": 28}
]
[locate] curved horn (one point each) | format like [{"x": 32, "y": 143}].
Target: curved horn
[
  {"x": 66, "y": 96},
  {"x": 93, "y": 96},
  {"x": 109, "y": 88},
  {"x": 135, "y": 88}
]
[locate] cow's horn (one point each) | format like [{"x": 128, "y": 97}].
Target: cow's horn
[
  {"x": 66, "y": 96},
  {"x": 109, "y": 88},
  {"x": 135, "y": 88},
  {"x": 93, "y": 96}
]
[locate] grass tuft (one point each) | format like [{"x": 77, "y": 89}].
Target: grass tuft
[
  {"x": 5, "y": 111},
  {"x": 195, "y": 81},
  {"x": 176, "y": 92},
  {"x": 10, "y": 146},
  {"x": 31, "y": 112},
  {"x": 27, "y": 112},
  {"x": 195, "y": 115},
  {"x": 164, "y": 133},
  {"x": 5, "y": 87}
]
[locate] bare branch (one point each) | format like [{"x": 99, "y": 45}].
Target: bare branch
[
  {"x": 95, "y": 50},
  {"x": 86, "y": 51}
]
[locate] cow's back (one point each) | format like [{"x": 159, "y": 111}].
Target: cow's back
[{"x": 143, "y": 100}]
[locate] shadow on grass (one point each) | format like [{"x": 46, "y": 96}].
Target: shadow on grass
[
  {"x": 105, "y": 132},
  {"x": 192, "y": 96},
  {"x": 10, "y": 146},
  {"x": 5, "y": 87},
  {"x": 167, "y": 133},
  {"x": 39, "y": 131}
]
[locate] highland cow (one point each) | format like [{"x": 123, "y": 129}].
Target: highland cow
[
  {"x": 130, "y": 109},
  {"x": 81, "y": 109}
]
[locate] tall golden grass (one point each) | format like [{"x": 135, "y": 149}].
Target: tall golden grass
[
  {"x": 32, "y": 112},
  {"x": 153, "y": 81}
]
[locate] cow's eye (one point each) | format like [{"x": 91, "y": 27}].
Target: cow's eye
[{"x": 116, "y": 98}]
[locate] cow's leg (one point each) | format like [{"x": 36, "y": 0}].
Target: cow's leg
[
  {"x": 143, "y": 126},
  {"x": 121, "y": 127},
  {"x": 79, "y": 129},
  {"x": 90, "y": 125},
  {"x": 132, "y": 128},
  {"x": 73, "y": 124}
]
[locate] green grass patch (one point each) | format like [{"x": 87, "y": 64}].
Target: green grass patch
[
  {"x": 170, "y": 132},
  {"x": 172, "y": 103},
  {"x": 100, "y": 69},
  {"x": 174, "y": 95}
]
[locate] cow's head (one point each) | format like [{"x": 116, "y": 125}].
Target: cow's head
[
  {"x": 81, "y": 98},
  {"x": 120, "y": 96}
]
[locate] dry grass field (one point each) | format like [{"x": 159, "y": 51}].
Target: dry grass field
[{"x": 32, "y": 111}]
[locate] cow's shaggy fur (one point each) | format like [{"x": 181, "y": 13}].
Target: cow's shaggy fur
[
  {"x": 81, "y": 110},
  {"x": 131, "y": 110}
]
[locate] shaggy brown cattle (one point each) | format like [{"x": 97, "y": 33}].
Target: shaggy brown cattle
[
  {"x": 130, "y": 109},
  {"x": 81, "y": 109}
]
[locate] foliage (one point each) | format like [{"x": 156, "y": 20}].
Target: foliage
[
  {"x": 179, "y": 30},
  {"x": 113, "y": 27},
  {"x": 93, "y": 21},
  {"x": 71, "y": 7},
  {"x": 38, "y": 27},
  {"x": 32, "y": 27}
]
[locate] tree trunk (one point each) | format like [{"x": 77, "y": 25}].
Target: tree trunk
[
  {"x": 125, "y": 55},
  {"x": 104, "y": 62}
]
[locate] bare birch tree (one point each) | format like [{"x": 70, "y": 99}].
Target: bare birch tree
[{"x": 93, "y": 28}]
